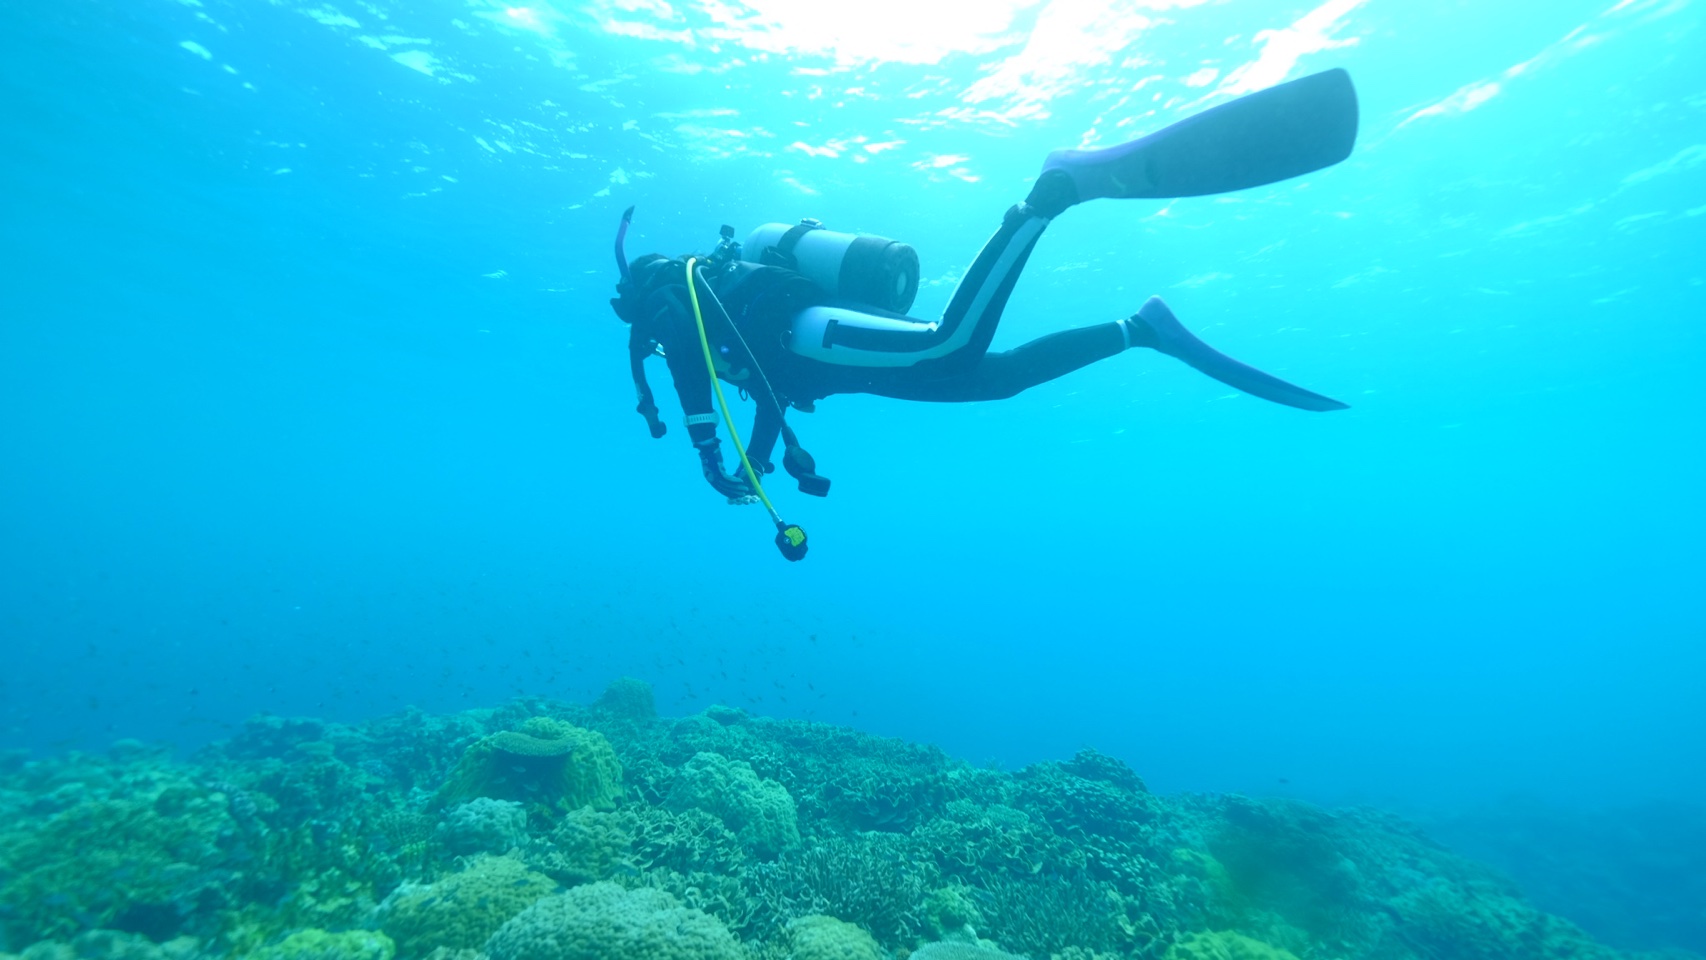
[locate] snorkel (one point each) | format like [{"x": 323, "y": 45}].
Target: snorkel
[{"x": 621, "y": 235}]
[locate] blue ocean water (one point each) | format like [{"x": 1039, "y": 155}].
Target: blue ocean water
[{"x": 313, "y": 403}]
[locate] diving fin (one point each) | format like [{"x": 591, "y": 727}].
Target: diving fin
[
  {"x": 1271, "y": 135},
  {"x": 1175, "y": 341}
]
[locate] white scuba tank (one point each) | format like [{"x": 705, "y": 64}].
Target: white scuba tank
[{"x": 859, "y": 267}]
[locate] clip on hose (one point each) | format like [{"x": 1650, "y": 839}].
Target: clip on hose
[{"x": 790, "y": 537}]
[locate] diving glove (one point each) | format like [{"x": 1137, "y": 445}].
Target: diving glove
[{"x": 735, "y": 488}]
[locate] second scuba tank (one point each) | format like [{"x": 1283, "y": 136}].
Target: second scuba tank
[{"x": 873, "y": 270}]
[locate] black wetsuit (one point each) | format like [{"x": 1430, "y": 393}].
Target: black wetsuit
[{"x": 947, "y": 361}]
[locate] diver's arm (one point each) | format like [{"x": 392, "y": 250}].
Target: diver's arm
[
  {"x": 766, "y": 427},
  {"x": 685, "y": 357},
  {"x": 640, "y": 347}
]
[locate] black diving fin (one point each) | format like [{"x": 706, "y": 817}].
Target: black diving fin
[
  {"x": 1271, "y": 135},
  {"x": 1174, "y": 340}
]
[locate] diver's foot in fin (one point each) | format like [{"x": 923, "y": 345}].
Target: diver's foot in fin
[
  {"x": 1155, "y": 326},
  {"x": 1053, "y": 192}
]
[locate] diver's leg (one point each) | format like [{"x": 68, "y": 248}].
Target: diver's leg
[
  {"x": 1001, "y": 375},
  {"x": 974, "y": 311},
  {"x": 998, "y": 376}
]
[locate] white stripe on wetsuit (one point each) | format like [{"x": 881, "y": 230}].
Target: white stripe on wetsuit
[{"x": 807, "y": 334}]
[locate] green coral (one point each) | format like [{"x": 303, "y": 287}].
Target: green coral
[
  {"x": 142, "y": 862},
  {"x": 550, "y": 765},
  {"x": 1286, "y": 857},
  {"x": 819, "y": 937},
  {"x": 951, "y": 911},
  {"x": 321, "y": 945},
  {"x": 760, "y": 812},
  {"x": 1225, "y": 945},
  {"x": 460, "y": 911},
  {"x": 602, "y": 921}
]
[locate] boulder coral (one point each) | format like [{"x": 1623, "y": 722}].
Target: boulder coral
[
  {"x": 628, "y": 699},
  {"x": 602, "y": 921},
  {"x": 460, "y": 911},
  {"x": 819, "y": 937},
  {"x": 549, "y": 765}
]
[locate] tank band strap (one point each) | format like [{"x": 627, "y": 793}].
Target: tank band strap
[{"x": 782, "y": 254}]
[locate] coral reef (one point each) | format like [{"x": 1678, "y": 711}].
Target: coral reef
[{"x": 719, "y": 836}]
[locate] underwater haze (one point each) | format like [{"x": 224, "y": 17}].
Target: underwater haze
[{"x": 313, "y": 403}]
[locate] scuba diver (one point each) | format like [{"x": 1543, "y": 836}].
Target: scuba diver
[{"x": 799, "y": 313}]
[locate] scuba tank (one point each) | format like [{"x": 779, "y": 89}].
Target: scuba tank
[{"x": 871, "y": 270}]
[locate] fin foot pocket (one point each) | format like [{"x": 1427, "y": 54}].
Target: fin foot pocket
[{"x": 1171, "y": 338}]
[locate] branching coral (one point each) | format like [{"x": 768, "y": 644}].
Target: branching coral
[
  {"x": 760, "y": 812},
  {"x": 872, "y": 881}
]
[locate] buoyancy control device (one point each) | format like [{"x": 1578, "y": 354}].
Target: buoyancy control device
[{"x": 859, "y": 267}]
